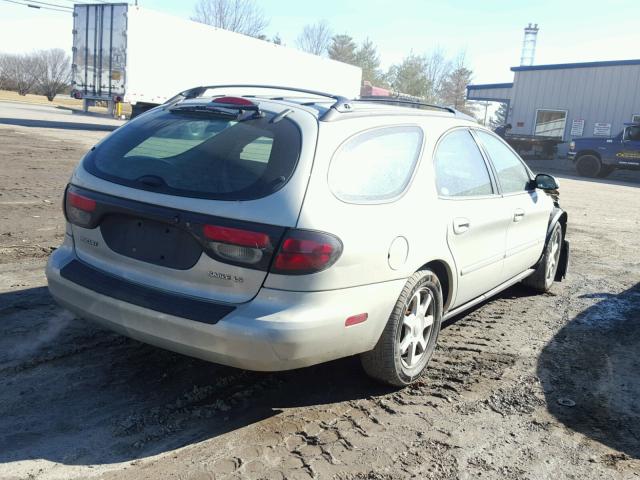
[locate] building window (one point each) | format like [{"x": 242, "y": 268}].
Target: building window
[
  {"x": 635, "y": 118},
  {"x": 550, "y": 123}
]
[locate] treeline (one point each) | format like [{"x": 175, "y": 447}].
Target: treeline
[
  {"x": 431, "y": 76},
  {"x": 43, "y": 72}
]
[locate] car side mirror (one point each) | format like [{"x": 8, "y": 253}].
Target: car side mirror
[{"x": 546, "y": 182}]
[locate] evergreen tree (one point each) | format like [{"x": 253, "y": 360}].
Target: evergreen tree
[
  {"x": 368, "y": 60},
  {"x": 454, "y": 87},
  {"x": 500, "y": 117},
  {"x": 343, "y": 49},
  {"x": 410, "y": 76}
]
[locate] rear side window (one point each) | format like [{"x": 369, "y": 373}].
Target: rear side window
[
  {"x": 512, "y": 174},
  {"x": 460, "y": 168},
  {"x": 375, "y": 165},
  {"x": 199, "y": 155}
]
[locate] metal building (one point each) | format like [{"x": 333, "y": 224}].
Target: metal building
[{"x": 569, "y": 100}]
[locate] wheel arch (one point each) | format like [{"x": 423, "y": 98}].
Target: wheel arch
[
  {"x": 445, "y": 275},
  {"x": 582, "y": 153},
  {"x": 558, "y": 215}
]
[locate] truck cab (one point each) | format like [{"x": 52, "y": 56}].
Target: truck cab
[{"x": 599, "y": 156}]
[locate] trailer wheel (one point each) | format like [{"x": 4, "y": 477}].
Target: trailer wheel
[{"x": 588, "y": 166}]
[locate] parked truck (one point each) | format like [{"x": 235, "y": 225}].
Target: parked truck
[
  {"x": 125, "y": 53},
  {"x": 599, "y": 156}
]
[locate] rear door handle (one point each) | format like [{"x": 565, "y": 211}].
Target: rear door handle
[
  {"x": 518, "y": 215},
  {"x": 461, "y": 225}
]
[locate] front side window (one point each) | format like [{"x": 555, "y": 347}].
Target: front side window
[
  {"x": 199, "y": 155},
  {"x": 460, "y": 168},
  {"x": 512, "y": 174},
  {"x": 375, "y": 165},
  {"x": 550, "y": 123}
]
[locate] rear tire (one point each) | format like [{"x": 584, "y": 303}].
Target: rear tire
[
  {"x": 409, "y": 338},
  {"x": 588, "y": 166},
  {"x": 542, "y": 279}
]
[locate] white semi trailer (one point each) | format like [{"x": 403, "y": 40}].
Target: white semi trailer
[{"x": 125, "y": 53}]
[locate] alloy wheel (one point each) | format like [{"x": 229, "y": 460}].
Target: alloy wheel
[{"x": 416, "y": 328}]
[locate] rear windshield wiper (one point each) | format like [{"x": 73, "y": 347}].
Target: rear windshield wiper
[
  {"x": 207, "y": 110},
  {"x": 153, "y": 181}
]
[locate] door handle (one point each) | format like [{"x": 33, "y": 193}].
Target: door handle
[
  {"x": 461, "y": 225},
  {"x": 518, "y": 215}
]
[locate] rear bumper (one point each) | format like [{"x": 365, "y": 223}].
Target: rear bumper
[{"x": 277, "y": 330}]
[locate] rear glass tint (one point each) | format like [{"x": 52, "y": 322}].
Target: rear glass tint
[{"x": 199, "y": 155}]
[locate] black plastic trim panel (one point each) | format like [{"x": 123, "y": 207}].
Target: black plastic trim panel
[{"x": 111, "y": 286}]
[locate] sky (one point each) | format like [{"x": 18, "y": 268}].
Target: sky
[{"x": 489, "y": 32}]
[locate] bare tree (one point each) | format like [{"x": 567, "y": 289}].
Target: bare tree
[
  {"x": 241, "y": 16},
  {"x": 52, "y": 71},
  {"x": 4, "y": 79},
  {"x": 315, "y": 38},
  {"x": 437, "y": 68},
  {"x": 19, "y": 72}
]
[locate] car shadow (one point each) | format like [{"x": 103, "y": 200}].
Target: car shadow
[
  {"x": 22, "y": 122},
  {"x": 73, "y": 393},
  {"x": 590, "y": 372}
]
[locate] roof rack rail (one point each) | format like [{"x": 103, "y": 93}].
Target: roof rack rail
[
  {"x": 341, "y": 104},
  {"x": 400, "y": 101}
]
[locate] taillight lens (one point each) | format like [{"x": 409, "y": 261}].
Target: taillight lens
[
  {"x": 303, "y": 252},
  {"x": 237, "y": 236},
  {"x": 237, "y": 245},
  {"x": 79, "y": 209}
]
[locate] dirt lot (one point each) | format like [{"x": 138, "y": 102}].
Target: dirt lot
[{"x": 523, "y": 387}]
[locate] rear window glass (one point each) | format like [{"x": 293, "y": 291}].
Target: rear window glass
[
  {"x": 199, "y": 155},
  {"x": 375, "y": 165}
]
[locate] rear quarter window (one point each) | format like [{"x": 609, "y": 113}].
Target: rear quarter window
[{"x": 376, "y": 165}]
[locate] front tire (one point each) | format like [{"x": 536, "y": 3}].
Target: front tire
[
  {"x": 588, "y": 166},
  {"x": 409, "y": 338},
  {"x": 605, "y": 171},
  {"x": 542, "y": 279}
]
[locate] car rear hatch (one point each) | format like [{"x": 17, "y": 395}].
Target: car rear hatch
[{"x": 192, "y": 201}]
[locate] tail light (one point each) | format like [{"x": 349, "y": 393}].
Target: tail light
[
  {"x": 79, "y": 209},
  {"x": 238, "y": 245},
  {"x": 302, "y": 252}
]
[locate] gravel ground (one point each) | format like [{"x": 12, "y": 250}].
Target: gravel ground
[{"x": 523, "y": 387}]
